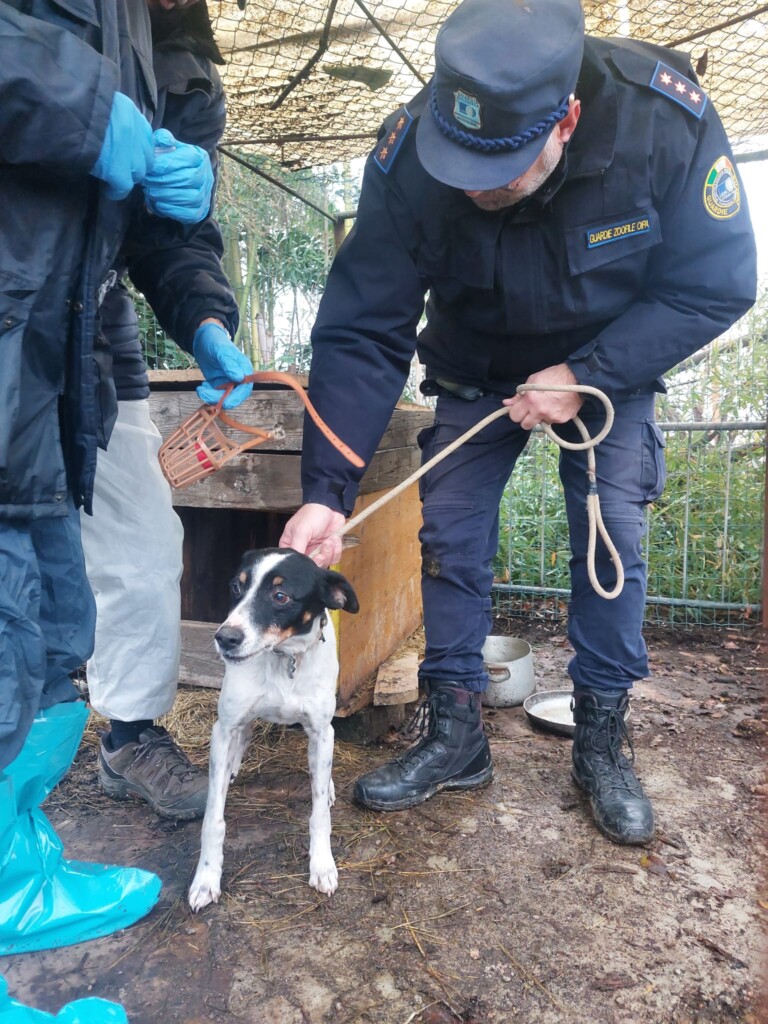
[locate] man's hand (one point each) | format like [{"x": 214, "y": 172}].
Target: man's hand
[
  {"x": 221, "y": 363},
  {"x": 533, "y": 407},
  {"x": 180, "y": 183},
  {"x": 314, "y": 531}
]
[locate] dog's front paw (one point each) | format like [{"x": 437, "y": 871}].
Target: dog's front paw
[
  {"x": 205, "y": 889},
  {"x": 323, "y": 875}
]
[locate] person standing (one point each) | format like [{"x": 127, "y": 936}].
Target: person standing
[
  {"x": 570, "y": 207},
  {"x": 77, "y": 156},
  {"x": 133, "y": 541}
]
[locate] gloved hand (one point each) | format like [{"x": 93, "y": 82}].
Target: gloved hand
[
  {"x": 127, "y": 151},
  {"x": 180, "y": 182},
  {"x": 220, "y": 361}
]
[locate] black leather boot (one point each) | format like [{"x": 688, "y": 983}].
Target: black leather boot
[
  {"x": 452, "y": 753},
  {"x": 620, "y": 808}
]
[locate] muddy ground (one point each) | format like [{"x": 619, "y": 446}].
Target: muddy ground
[{"x": 504, "y": 905}]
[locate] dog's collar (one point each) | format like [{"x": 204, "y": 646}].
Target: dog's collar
[{"x": 293, "y": 661}]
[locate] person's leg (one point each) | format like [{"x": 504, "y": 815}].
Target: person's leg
[
  {"x": 67, "y": 607},
  {"x": 47, "y": 619},
  {"x": 22, "y": 647},
  {"x": 459, "y": 536},
  {"x": 47, "y": 622},
  {"x": 133, "y": 551},
  {"x": 606, "y": 635},
  {"x": 48, "y": 901}
]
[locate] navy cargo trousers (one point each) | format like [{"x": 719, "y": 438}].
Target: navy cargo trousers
[
  {"x": 47, "y": 621},
  {"x": 459, "y": 536}
]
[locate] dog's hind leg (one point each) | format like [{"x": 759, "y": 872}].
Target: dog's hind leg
[
  {"x": 227, "y": 748},
  {"x": 323, "y": 875}
]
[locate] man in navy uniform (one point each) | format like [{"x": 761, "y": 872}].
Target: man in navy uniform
[{"x": 571, "y": 207}]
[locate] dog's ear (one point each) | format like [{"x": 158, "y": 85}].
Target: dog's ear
[{"x": 337, "y": 592}]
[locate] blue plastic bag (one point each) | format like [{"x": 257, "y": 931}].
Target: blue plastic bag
[
  {"x": 82, "y": 1011},
  {"x": 47, "y": 901}
]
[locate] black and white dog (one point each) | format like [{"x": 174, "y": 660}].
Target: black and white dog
[{"x": 279, "y": 649}]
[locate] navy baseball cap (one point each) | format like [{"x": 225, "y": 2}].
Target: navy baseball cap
[{"x": 504, "y": 70}]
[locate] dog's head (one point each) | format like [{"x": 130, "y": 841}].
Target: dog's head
[{"x": 278, "y": 594}]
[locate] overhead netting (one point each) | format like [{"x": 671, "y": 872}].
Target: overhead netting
[{"x": 309, "y": 82}]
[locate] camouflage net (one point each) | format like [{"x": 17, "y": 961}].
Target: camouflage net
[{"x": 310, "y": 82}]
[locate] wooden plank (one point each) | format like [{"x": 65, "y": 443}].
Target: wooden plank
[
  {"x": 397, "y": 681},
  {"x": 280, "y": 408},
  {"x": 200, "y": 664},
  {"x": 268, "y": 409},
  {"x": 191, "y": 376},
  {"x": 385, "y": 570},
  {"x": 358, "y": 698},
  {"x": 273, "y": 481}
]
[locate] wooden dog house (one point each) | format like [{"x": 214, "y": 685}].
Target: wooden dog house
[{"x": 246, "y": 505}]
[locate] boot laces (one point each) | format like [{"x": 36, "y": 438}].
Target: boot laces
[
  {"x": 616, "y": 732},
  {"x": 162, "y": 756},
  {"x": 611, "y": 727},
  {"x": 426, "y": 715}
]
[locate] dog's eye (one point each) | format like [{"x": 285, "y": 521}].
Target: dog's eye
[
  {"x": 280, "y": 597},
  {"x": 236, "y": 589}
]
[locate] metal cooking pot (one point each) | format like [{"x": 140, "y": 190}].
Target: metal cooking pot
[{"x": 509, "y": 664}]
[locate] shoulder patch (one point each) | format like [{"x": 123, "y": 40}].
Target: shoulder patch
[
  {"x": 388, "y": 145},
  {"x": 678, "y": 87},
  {"x": 722, "y": 193}
]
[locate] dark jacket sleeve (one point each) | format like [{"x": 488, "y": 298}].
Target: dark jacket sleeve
[
  {"x": 176, "y": 266},
  {"x": 363, "y": 340},
  {"x": 702, "y": 277},
  {"x": 55, "y": 96}
]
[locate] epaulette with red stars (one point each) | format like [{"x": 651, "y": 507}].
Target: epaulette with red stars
[
  {"x": 678, "y": 87},
  {"x": 392, "y": 139}
]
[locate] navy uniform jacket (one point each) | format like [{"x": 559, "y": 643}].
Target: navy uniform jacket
[{"x": 634, "y": 254}]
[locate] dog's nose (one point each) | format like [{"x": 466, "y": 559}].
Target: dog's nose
[{"x": 229, "y": 637}]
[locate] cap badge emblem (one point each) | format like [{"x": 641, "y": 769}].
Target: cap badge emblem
[{"x": 466, "y": 110}]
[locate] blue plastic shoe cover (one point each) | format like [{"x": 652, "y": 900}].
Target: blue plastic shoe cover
[
  {"x": 82, "y": 1011},
  {"x": 47, "y": 901}
]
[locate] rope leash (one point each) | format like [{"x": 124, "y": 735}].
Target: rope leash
[{"x": 588, "y": 444}]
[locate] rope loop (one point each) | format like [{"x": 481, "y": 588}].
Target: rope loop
[{"x": 595, "y": 519}]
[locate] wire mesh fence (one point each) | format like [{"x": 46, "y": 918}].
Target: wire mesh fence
[
  {"x": 703, "y": 537},
  {"x": 160, "y": 351},
  {"x": 310, "y": 83}
]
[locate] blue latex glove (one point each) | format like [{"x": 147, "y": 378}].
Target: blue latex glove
[
  {"x": 127, "y": 151},
  {"x": 220, "y": 361},
  {"x": 180, "y": 183}
]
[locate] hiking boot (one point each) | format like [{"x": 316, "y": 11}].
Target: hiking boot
[
  {"x": 452, "y": 753},
  {"x": 620, "y": 808},
  {"x": 155, "y": 770}
]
